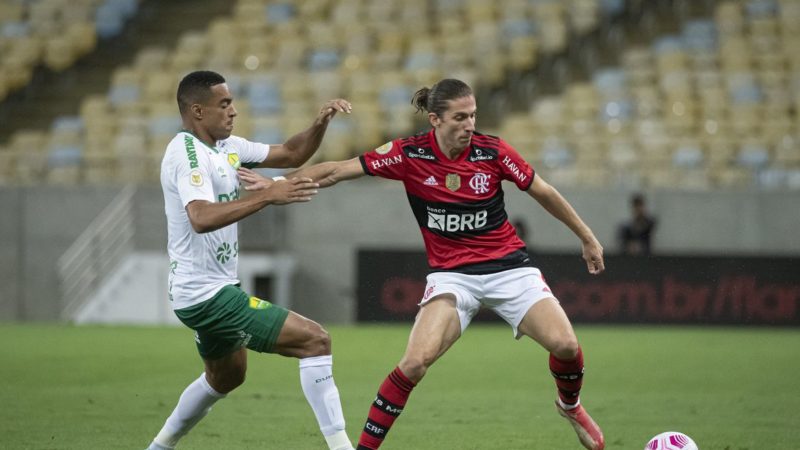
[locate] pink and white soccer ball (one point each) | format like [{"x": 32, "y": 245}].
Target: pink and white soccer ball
[{"x": 671, "y": 440}]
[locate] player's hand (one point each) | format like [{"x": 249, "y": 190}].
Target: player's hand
[
  {"x": 331, "y": 107},
  {"x": 593, "y": 255},
  {"x": 291, "y": 191},
  {"x": 254, "y": 181}
]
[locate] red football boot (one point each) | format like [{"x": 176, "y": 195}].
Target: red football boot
[{"x": 588, "y": 432}]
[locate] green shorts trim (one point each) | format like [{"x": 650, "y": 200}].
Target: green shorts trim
[{"x": 231, "y": 320}]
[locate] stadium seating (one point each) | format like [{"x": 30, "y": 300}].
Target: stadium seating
[
  {"x": 285, "y": 57},
  {"x": 688, "y": 110},
  {"x": 53, "y": 34},
  {"x": 704, "y": 108}
]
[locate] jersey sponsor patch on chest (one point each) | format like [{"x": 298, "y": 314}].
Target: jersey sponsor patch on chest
[
  {"x": 439, "y": 219},
  {"x": 482, "y": 154},
  {"x": 424, "y": 153}
]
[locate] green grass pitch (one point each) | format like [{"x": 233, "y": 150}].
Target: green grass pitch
[{"x": 64, "y": 387}]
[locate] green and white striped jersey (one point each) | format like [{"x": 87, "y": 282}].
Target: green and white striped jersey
[{"x": 201, "y": 264}]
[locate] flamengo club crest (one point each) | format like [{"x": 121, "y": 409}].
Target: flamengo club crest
[
  {"x": 452, "y": 181},
  {"x": 480, "y": 183}
]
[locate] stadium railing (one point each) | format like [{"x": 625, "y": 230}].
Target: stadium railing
[{"x": 96, "y": 252}]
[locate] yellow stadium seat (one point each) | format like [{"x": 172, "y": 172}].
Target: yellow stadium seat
[{"x": 59, "y": 54}]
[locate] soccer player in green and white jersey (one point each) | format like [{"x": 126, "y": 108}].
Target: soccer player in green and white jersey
[{"x": 201, "y": 195}]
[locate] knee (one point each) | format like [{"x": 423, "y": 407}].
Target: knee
[
  {"x": 318, "y": 343},
  {"x": 566, "y": 348},
  {"x": 227, "y": 380},
  {"x": 415, "y": 367}
]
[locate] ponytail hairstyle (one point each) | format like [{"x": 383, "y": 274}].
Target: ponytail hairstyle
[{"x": 434, "y": 99}]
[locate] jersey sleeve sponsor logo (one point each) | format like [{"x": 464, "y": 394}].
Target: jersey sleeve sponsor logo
[
  {"x": 452, "y": 181},
  {"x": 384, "y": 149},
  {"x": 191, "y": 153},
  {"x": 480, "y": 183},
  {"x": 195, "y": 178},
  {"x": 385, "y": 162},
  {"x": 415, "y": 152},
  {"x": 482, "y": 154},
  {"x": 515, "y": 169}
]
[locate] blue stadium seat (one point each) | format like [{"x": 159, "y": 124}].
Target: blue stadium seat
[
  {"x": 688, "y": 156},
  {"x": 556, "y": 154},
  {"x": 123, "y": 94},
  {"x": 612, "y": 7},
  {"x": 264, "y": 95},
  {"x": 279, "y": 12},
  {"x": 323, "y": 59},
  {"x": 621, "y": 109},
  {"x": 744, "y": 89},
  {"x": 109, "y": 20},
  {"x": 610, "y": 82},
  {"x": 753, "y": 156},
  {"x": 517, "y": 27},
  {"x": 161, "y": 125},
  {"x": 268, "y": 135},
  {"x": 64, "y": 156},
  {"x": 761, "y": 8},
  {"x": 670, "y": 43},
  {"x": 15, "y": 29},
  {"x": 67, "y": 123},
  {"x": 699, "y": 34}
]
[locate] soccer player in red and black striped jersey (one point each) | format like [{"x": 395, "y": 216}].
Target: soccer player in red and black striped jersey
[{"x": 452, "y": 176}]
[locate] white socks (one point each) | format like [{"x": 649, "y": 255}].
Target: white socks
[
  {"x": 316, "y": 378},
  {"x": 194, "y": 404}
]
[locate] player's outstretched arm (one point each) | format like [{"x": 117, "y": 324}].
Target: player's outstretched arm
[
  {"x": 296, "y": 151},
  {"x": 325, "y": 174},
  {"x": 559, "y": 207},
  {"x": 207, "y": 216}
]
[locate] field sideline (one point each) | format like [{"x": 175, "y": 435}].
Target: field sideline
[{"x": 64, "y": 387}]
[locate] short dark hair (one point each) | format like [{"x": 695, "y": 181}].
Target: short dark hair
[
  {"x": 434, "y": 99},
  {"x": 196, "y": 87}
]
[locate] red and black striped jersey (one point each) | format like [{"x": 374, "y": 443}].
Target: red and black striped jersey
[{"x": 458, "y": 203}]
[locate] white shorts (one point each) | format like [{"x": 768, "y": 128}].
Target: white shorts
[{"x": 510, "y": 294}]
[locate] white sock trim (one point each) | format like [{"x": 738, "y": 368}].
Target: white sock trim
[
  {"x": 567, "y": 407},
  {"x": 338, "y": 441},
  {"x": 158, "y": 446},
  {"x": 165, "y": 437},
  {"x": 316, "y": 361},
  {"x": 211, "y": 391}
]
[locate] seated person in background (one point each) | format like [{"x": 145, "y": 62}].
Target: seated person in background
[{"x": 636, "y": 234}]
